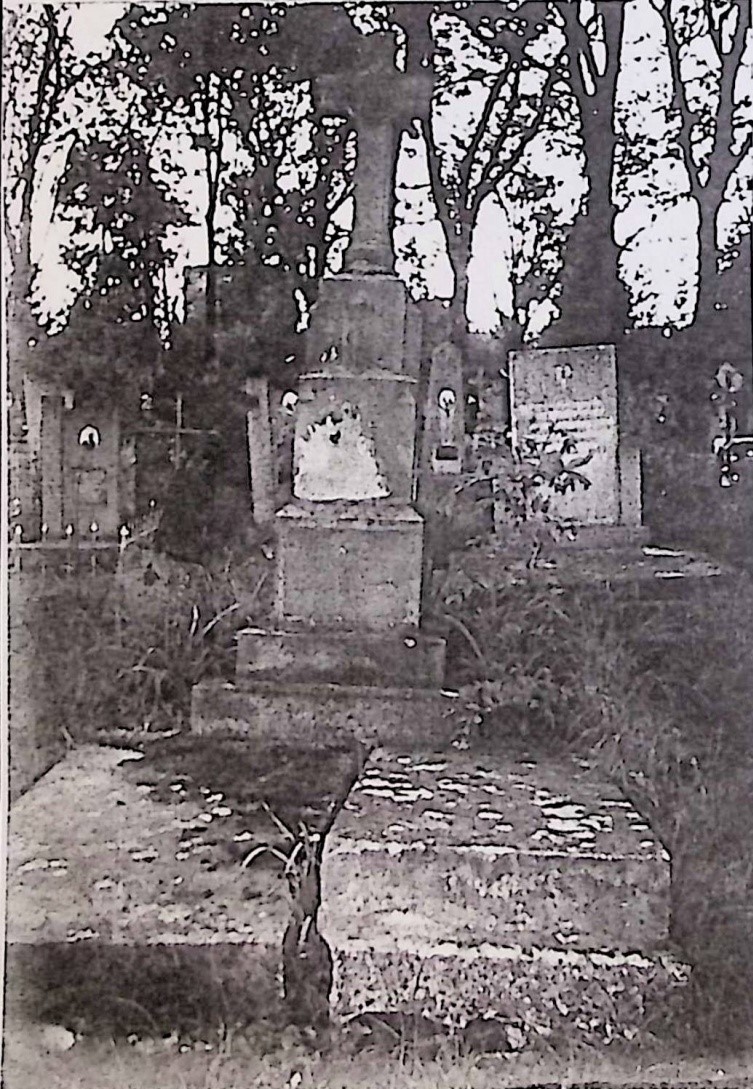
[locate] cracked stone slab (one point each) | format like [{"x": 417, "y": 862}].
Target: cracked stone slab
[{"x": 447, "y": 848}]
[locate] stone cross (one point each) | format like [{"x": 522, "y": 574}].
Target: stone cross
[{"x": 378, "y": 100}]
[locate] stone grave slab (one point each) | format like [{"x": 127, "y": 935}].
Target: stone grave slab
[
  {"x": 575, "y": 391},
  {"x": 356, "y": 565},
  {"x": 523, "y": 853},
  {"x": 106, "y": 883},
  {"x": 464, "y": 890},
  {"x": 354, "y": 436}
]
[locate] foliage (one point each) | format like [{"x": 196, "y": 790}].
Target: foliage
[
  {"x": 113, "y": 339},
  {"x": 520, "y": 481},
  {"x": 662, "y": 706}
]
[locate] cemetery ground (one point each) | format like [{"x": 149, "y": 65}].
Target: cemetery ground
[{"x": 658, "y": 695}]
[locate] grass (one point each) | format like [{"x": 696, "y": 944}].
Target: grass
[{"x": 241, "y": 1063}]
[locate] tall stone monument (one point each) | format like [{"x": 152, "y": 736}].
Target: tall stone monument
[{"x": 346, "y": 639}]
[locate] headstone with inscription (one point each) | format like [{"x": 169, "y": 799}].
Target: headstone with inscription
[{"x": 572, "y": 392}]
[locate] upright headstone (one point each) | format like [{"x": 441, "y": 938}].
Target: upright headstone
[
  {"x": 572, "y": 392},
  {"x": 444, "y": 428},
  {"x": 91, "y": 470}
]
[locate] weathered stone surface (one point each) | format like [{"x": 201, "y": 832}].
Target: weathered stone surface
[
  {"x": 322, "y": 714},
  {"x": 363, "y": 322},
  {"x": 631, "y": 486},
  {"x": 578, "y": 996},
  {"x": 404, "y": 657},
  {"x": 354, "y": 436},
  {"x": 110, "y": 892},
  {"x": 355, "y": 565},
  {"x": 575, "y": 391},
  {"x": 449, "y": 849},
  {"x": 462, "y": 890}
]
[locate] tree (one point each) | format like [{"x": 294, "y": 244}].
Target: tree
[{"x": 114, "y": 338}]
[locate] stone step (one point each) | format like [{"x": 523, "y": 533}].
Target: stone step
[
  {"x": 405, "y": 658},
  {"x": 564, "y": 996},
  {"x": 448, "y": 849},
  {"x": 317, "y": 715},
  {"x": 466, "y": 889}
]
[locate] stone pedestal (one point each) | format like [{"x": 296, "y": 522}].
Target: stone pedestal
[{"x": 349, "y": 566}]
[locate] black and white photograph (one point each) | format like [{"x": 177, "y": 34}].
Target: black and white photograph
[{"x": 378, "y": 548}]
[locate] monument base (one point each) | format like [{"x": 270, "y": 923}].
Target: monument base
[
  {"x": 322, "y": 715},
  {"x": 356, "y": 565},
  {"x": 404, "y": 657}
]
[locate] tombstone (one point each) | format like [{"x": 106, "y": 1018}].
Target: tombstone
[
  {"x": 350, "y": 543},
  {"x": 91, "y": 471},
  {"x": 444, "y": 427},
  {"x": 559, "y": 392},
  {"x": 261, "y": 455},
  {"x": 76, "y": 455}
]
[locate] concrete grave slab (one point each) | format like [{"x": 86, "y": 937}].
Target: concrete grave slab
[
  {"x": 107, "y": 884},
  {"x": 463, "y": 890},
  {"x": 450, "y": 849}
]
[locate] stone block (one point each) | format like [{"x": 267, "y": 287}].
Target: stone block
[
  {"x": 354, "y": 436},
  {"x": 448, "y": 849},
  {"x": 317, "y": 715},
  {"x": 405, "y": 657},
  {"x": 353, "y": 565},
  {"x": 114, "y": 892},
  {"x": 572, "y": 996},
  {"x": 362, "y": 321}
]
